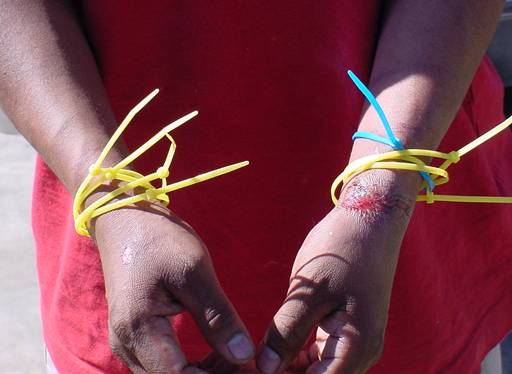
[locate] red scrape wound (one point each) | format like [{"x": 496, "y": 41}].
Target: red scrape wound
[
  {"x": 373, "y": 199},
  {"x": 370, "y": 201}
]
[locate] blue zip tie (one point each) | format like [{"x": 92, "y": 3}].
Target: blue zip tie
[
  {"x": 392, "y": 141},
  {"x": 376, "y": 138}
]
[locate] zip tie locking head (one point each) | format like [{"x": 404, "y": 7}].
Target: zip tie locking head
[
  {"x": 110, "y": 174},
  {"x": 162, "y": 172},
  {"x": 429, "y": 197},
  {"x": 94, "y": 169},
  {"x": 453, "y": 157}
]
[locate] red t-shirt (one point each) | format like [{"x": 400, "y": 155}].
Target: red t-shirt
[{"x": 269, "y": 80}]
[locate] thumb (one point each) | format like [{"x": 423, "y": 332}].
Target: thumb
[
  {"x": 290, "y": 330},
  {"x": 216, "y": 317}
]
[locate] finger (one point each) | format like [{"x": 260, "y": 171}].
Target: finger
[
  {"x": 337, "y": 355},
  {"x": 127, "y": 357},
  {"x": 340, "y": 337},
  {"x": 134, "y": 365},
  {"x": 300, "y": 363},
  {"x": 216, "y": 317},
  {"x": 151, "y": 341},
  {"x": 290, "y": 329},
  {"x": 316, "y": 349},
  {"x": 342, "y": 348},
  {"x": 314, "y": 353}
]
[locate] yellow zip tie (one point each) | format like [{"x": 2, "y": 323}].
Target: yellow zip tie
[
  {"x": 131, "y": 178},
  {"x": 407, "y": 160}
]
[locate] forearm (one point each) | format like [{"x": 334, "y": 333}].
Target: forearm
[
  {"x": 51, "y": 89},
  {"x": 426, "y": 57},
  {"x": 425, "y": 60}
]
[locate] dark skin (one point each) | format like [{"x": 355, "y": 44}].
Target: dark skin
[
  {"x": 342, "y": 277},
  {"x": 420, "y": 86}
]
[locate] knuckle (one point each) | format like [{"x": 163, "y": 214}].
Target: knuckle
[
  {"x": 115, "y": 346},
  {"x": 219, "y": 317},
  {"x": 186, "y": 271},
  {"x": 126, "y": 330},
  {"x": 192, "y": 266}
]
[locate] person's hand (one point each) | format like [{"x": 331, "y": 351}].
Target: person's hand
[
  {"x": 341, "y": 281},
  {"x": 155, "y": 266}
]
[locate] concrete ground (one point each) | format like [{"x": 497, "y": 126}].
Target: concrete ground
[{"x": 21, "y": 344}]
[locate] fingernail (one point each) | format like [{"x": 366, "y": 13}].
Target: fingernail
[
  {"x": 269, "y": 361},
  {"x": 240, "y": 347}
]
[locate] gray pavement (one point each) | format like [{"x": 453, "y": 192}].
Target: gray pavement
[{"x": 21, "y": 344}]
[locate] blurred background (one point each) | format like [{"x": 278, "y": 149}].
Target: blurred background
[{"x": 21, "y": 344}]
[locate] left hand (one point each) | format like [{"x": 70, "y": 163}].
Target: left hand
[{"x": 341, "y": 283}]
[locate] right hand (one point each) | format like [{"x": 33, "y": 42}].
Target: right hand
[{"x": 155, "y": 266}]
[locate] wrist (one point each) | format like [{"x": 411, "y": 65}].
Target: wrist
[
  {"x": 81, "y": 163},
  {"x": 378, "y": 192},
  {"x": 129, "y": 212}
]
